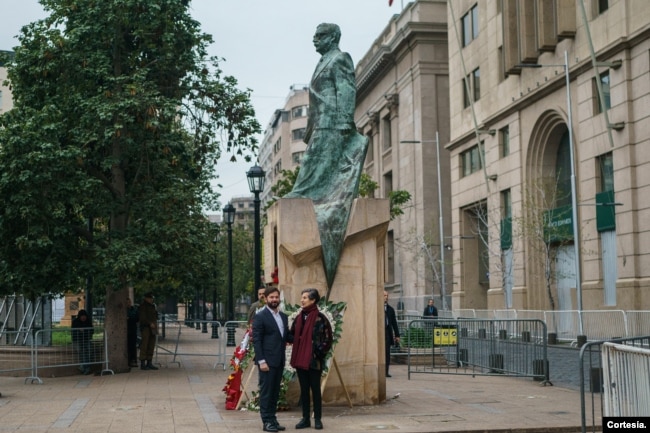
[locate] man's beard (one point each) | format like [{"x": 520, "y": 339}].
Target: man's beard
[{"x": 273, "y": 304}]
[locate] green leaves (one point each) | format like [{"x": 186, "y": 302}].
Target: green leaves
[{"x": 119, "y": 119}]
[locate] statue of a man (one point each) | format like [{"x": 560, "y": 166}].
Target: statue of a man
[{"x": 331, "y": 167}]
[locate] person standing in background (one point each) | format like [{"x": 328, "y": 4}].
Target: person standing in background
[
  {"x": 82, "y": 334},
  {"x": 391, "y": 330},
  {"x": 257, "y": 304},
  {"x": 148, "y": 318}
]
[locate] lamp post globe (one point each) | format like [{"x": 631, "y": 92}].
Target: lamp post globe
[{"x": 256, "y": 179}]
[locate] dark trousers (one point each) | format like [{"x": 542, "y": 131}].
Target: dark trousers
[
  {"x": 269, "y": 392},
  {"x": 389, "y": 343},
  {"x": 310, "y": 380},
  {"x": 131, "y": 341},
  {"x": 147, "y": 344}
]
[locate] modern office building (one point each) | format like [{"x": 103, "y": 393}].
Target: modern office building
[{"x": 550, "y": 154}]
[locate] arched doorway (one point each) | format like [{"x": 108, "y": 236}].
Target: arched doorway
[{"x": 548, "y": 212}]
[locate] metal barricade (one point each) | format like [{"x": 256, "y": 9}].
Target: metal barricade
[
  {"x": 626, "y": 379},
  {"x": 180, "y": 341},
  {"x": 14, "y": 357},
  {"x": 591, "y": 374},
  {"x": 62, "y": 352},
  {"x": 512, "y": 347}
]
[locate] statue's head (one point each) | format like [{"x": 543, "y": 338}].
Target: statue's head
[{"x": 327, "y": 36}]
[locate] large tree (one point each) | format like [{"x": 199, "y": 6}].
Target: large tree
[{"x": 119, "y": 119}]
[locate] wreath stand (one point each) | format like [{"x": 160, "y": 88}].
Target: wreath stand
[{"x": 251, "y": 369}]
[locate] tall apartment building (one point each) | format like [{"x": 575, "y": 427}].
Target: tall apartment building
[
  {"x": 402, "y": 103},
  {"x": 550, "y": 176},
  {"x": 282, "y": 146}
]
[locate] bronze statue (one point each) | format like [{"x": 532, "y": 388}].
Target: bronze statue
[{"x": 331, "y": 167}]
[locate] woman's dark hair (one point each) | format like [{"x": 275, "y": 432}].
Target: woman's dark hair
[{"x": 312, "y": 294}]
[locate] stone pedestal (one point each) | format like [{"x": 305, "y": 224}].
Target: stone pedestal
[{"x": 291, "y": 242}]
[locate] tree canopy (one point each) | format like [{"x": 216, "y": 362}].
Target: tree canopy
[{"x": 119, "y": 120}]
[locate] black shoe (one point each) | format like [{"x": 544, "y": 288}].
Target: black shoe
[
  {"x": 143, "y": 365},
  {"x": 318, "y": 425},
  {"x": 150, "y": 366},
  {"x": 280, "y": 427},
  {"x": 304, "y": 423},
  {"x": 269, "y": 426},
  {"x": 388, "y": 375}
]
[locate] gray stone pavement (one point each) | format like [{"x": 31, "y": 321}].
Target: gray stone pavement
[{"x": 189, "y": 399}]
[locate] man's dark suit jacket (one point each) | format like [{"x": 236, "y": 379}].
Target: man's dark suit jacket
[
  {"x": 269, "y": 344},
  {"x": 392, "y": 330}
]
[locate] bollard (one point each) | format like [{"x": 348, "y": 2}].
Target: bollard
[
  {"x": 525, "y": 336},
  {"x": 552, "y": 338},
  {"x": 463, "y": 356},
  {"x": 198, "y": 325},
  {"x": 540, "y": 369},
  {"x": 215, "y": 330},
  {"x": 503, "y": 334},
  {"x": 482, "y": 333},
  {"x": 205, "y": 328},
  {"x": 496, "y": 363},
  {"x": 595, "y": 384},
  {"x": 582, "y": 340},
  {"x": 463, "y": 332},
  {"x": 230, "y": 331}
]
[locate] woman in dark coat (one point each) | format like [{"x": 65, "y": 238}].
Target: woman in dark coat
[{"x": 312, "y": 339}]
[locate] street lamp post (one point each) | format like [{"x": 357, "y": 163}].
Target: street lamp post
[
  {"x": 229, "y": 218},
  {"x": 256, "y": 178},
  {"x": 574, "y": 196},
  {"x": 215, "y": 328}
]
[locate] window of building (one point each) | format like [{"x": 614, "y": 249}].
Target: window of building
[
  {"x": 370, "y": 154},
  {"x": 472, "y": 86},
  {"x": 476, "y": 83},
  {"x": 278, "y": 145},
  {"x": 507, "y": 253},
  {"x": 296, "y": 157},
  {"x": 603, "y": 5},
  {"x": 300, "y": 111},
  {"x": 388, "y": 184},
  {"x": 563, "y": 172},
  {"x": 604, "y": 83},
  {"x": 504, "y": 141},
  {"x": 472, "y": 160},
  {"x": 298, "y": 134},
  {"x": 277, "y": 168},
  {"x": 606, "y": 172},
  {"x": 386, "y": 133},
  {"x": 469, "y": 23}
]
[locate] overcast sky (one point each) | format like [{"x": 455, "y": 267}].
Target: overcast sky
[{"x": 266, "y": 45}]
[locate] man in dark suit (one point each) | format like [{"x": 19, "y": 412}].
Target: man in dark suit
[
  {"x": 392, "y": 331},
  {"x": 270, "y": 336}
]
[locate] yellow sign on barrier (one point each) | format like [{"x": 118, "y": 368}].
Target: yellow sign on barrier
[{"x": 444, "y": 337}]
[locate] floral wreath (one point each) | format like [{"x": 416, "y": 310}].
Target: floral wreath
[{"x": 244, "y": 353}]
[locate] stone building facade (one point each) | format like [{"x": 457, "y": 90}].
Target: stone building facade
[
  {"x": 402, "y": 103},
  {"x": 550, "y": 174}
]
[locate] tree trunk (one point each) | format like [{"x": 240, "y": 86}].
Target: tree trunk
[{"x": 115, "y": 328}]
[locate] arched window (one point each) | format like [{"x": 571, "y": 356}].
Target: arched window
[{"x": 563, "y": 171}]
